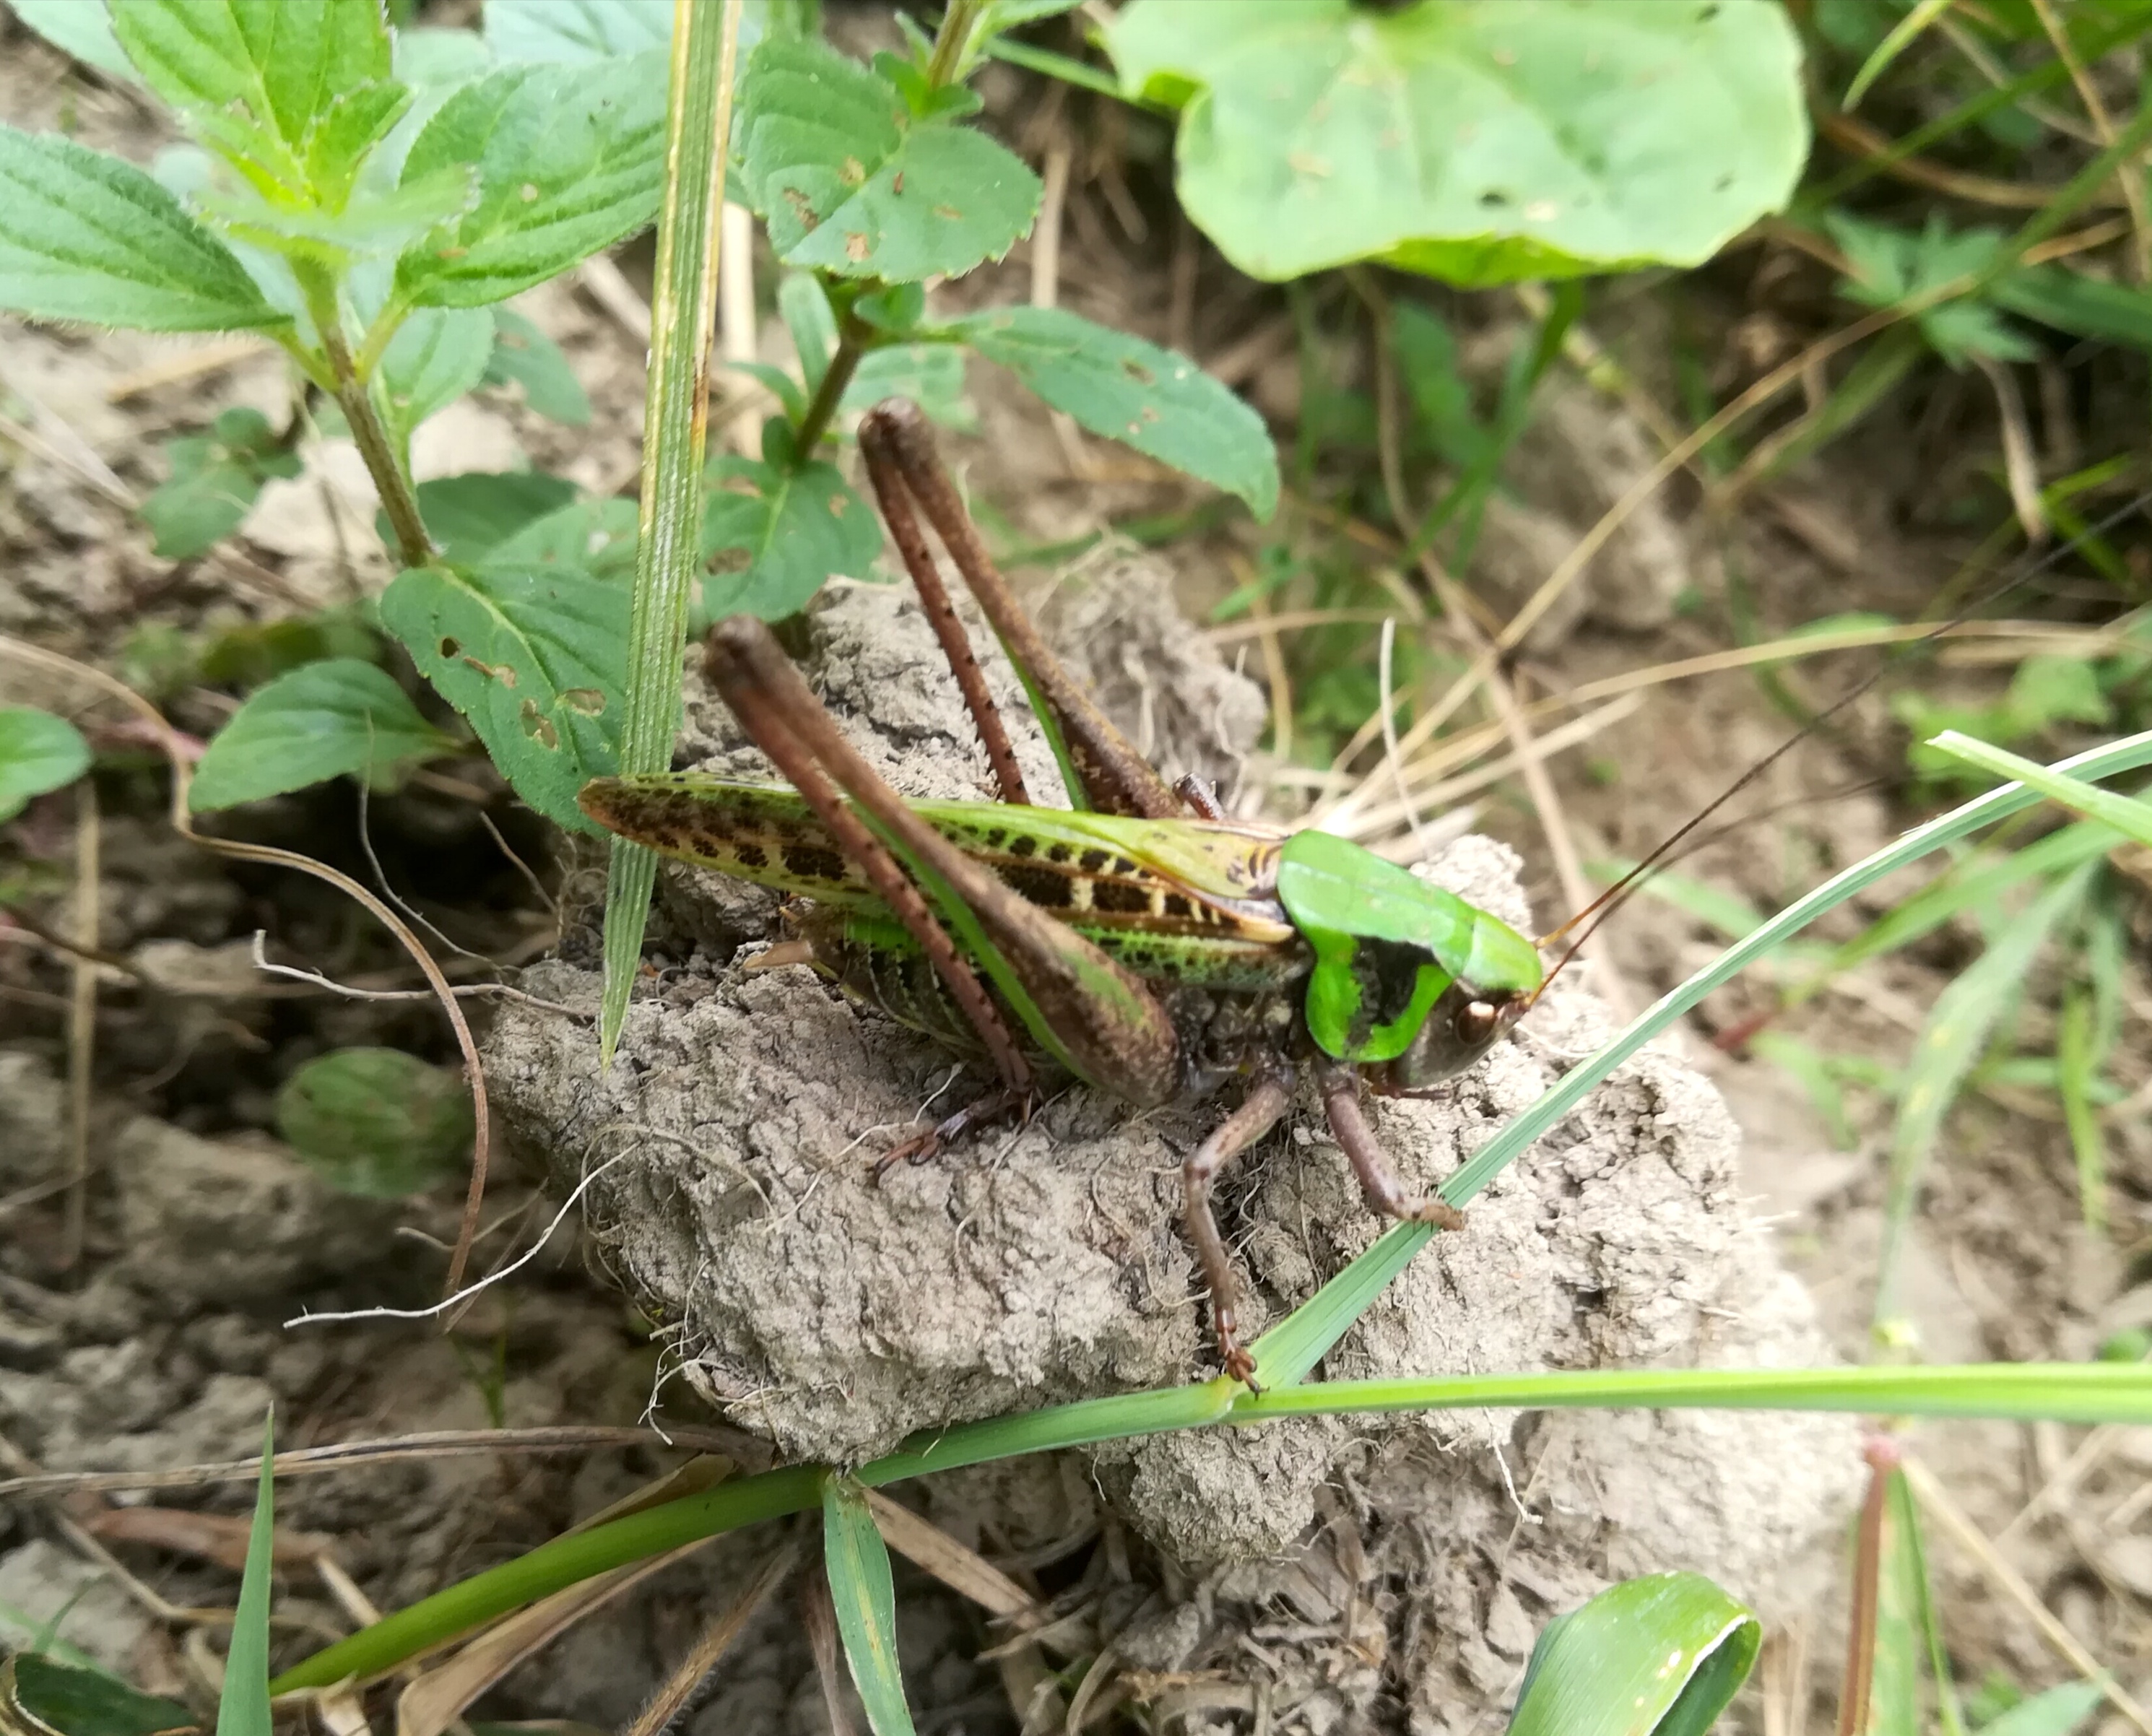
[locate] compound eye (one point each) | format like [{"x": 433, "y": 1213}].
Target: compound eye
[{"x": 1474, "y": 1022}]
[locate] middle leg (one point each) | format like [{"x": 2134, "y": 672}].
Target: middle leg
[{"x": 1268, "y": 1099}]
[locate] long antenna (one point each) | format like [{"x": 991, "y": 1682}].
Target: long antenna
[{"x": 1608, "y": 901}]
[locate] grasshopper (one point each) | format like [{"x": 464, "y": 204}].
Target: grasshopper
[{"x": 1142, "y": 942}]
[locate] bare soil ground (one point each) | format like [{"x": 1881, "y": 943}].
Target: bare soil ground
[{"x": 1316, "y": 1579}]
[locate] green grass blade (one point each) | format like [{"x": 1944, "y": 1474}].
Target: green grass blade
[
  {"x": 1905, "y": 1518},
  {"x": 1894, "y": 1700},
  {"x": 2075, "y": 1068},
  {"x": 1957, "y": 1029},
  {"x": 2126, "y": 813},
  {"x": 1658, "y": 1656},
  {"x": 2056, "y": 1712},
  {"x": 1296, "y": 1344},
  {"x": 1902, "y": 38},
  {"x": 857, "y": 1561},
  {"x": 242, "y": 1709},
  {"x": 682, "y": 322}
]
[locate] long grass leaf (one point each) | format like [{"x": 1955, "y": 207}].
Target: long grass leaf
[
  {"x": 242, "y": 1709},
  {"x": 857, "y": 1561},
  {"x": 683, "y": 323},
  {"x": 2126, "y": 814},
  {"x": 1902, "y": 38},
  {"x": 1296, "y": 1343},
  {"x": 1657, "y": 1655}
]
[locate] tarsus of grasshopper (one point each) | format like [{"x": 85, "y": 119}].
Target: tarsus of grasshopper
[{"x": 1611, "y": 900}]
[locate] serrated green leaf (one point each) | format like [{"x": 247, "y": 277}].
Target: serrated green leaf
[
  {"x": 342, "y": 138},
  {"x": 1160, "y": 403},
  {"x": 851, "y": 183},
  {"x": 437, "y": 355},
  {"x": 865, "y": 1597},
  {"x": 86, "y": 237},
  {"x": 242, "y": 1709},
  {"x": 376, "y": 1123},
  {"x": 41, "y": 1696},
  {"x": 931, "y": 375},
  {"x": 534, "y": 658},
  {"x": 597, "y": 536},
  {"x": 1478, "y": 143},
  {"x": 1659, "y": 1656},
  {"x": 39, "y": 752},
  {"x": 568, "y": 159},
  {"x": 469, "y": 515},
  {"x": 525, "y": 356},
  {"x": 252, "y": 78},
  {"x": 1893, "y": 266},
  {"x": 576, "y": 30},
  {"x": 339, "y": 719},
  {"x": 85, "y": 32},
  {"x": 214, "y": 479},
  {"x": 796, "y": 528}
]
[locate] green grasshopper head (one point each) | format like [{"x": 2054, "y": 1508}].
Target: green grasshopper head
[{"x": 1464, "y": 1023}]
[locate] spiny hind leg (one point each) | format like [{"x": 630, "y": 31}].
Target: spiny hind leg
[
  {"x": 1268, "y": 1099},
  {"x": 1379, "y": 1185},
  {"x": 997, "y": 1105}
]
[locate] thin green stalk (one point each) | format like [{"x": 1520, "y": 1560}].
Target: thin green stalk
[
  {"x": 2070, "y": 1392},
  {"x": 844, "y": 363},
  {"x": 952, "y": 41},
  {"x": 392, "y": 480},
  {"x": 676, "y": 402}
]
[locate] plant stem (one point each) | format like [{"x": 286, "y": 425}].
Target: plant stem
[
  {"x": 414, "y": 547},
  {"x": 951, "y": 41},
  {"x": 851, "y": 349}
]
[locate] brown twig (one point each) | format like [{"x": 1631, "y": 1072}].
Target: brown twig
[
  {"x": 1854, "y": 1692},
  {"x": 665, "y": 1704}
]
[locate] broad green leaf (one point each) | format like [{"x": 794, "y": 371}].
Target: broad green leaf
[
  {"x": 536, "y": 660},
  {"x": 376, "y": 1122},
  {"x": 262, "y": 82},
  {"x": 85, "y": 32},
  {"x": 782, "y": 540},
  {"x": 857, "y": 1561},
  {"x": 1892, "y": 266},
  {"x": 333, "y": 719},
  {"x": 568, "y": 159},
  {"x": 2056, "y": 1712},
  {"x": 243, "y": 1707},
  {"x": 255, "y": 654},
  {"x": 1659, "y": 1656},
  {"x": 40, "y": 1696},
  {"x": 1475, "y": 143},
  {"x": 469, "y": 515},
  {"x": 39, "y": 752},
  {"x": 596, "y": 536},
  {"x": 214, "y": 479},
  {"x": 437, "y": 355},
  {"x": 534, "y": 30},
  {"x": 525, "y": 356},
  {"x": 2127, "y": 814},
  {"x": 1162, "y": 404},
  {"x": 849, "y": 182},
  {"x": 86, "y": 237},
  {"x": 931, "y": 375}
]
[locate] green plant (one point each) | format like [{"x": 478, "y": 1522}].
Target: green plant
[{"x": 38, "y": 752}]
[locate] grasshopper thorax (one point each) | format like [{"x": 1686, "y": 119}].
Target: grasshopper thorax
[{"x": 1464, "y": 1022}]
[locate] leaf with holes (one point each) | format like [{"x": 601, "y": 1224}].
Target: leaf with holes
[
  {"x": 797, "y": 527},
  {"x": 850, "y": 182},
  {"x": 1162, "y": 404},
  {"x": 525, "y": 355},
  {"x": 215, "y": 479},
  {"x": 333, "y": 719},
  {"x": 569, "y": 159},
  {"x": 437, "y": 355},
  {"x": 376, "y": 1122},
  {"x": 1478, "y": 143},
  {"x": 536, "y": 659},
  {"x": 39, "y": 752},
  {"x": 86, "y": 237}
]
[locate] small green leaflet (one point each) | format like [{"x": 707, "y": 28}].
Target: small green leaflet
[
  {"x": 931, "y": 375},
  {"x": 339, "y": 719},
  {"x": 534, "y": 658},
  {"x": 575, "y": 30},
  {"x": 436, "y": 355},
  {"x": 857, "y": 1562},
  {"x": 38, "y": 752},
  {"x": 1160, "y": 403},
  {"x": 1659, "y": 1656},
  {"x": 376, "y": 1122},
  {"x": 1892, "y": 265},
  {"x": 243, "y": 1707},
  {"x": 525, "y": 355},
  {"x": 215, "y": 479},
  {"x": 1476, "y": 143},
  {"x": 470, "y": 515},
  {"x": 86, "y": 237},
  {"x": 41, "y": 1696},
  {"x": 851, "y": 183},
  {"x": 569, "y": 160},
  {"x": 798, "y": 527}
]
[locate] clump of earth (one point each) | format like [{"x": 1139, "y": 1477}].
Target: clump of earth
[{"x": 728, "y": 1155}]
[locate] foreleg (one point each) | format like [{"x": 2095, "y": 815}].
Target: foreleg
[{"x": 1379, "y": 1185}]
